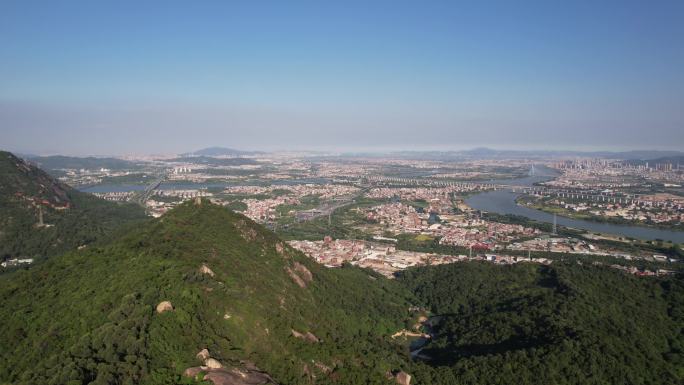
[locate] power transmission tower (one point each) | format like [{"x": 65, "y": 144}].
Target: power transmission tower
[{"x": 40, "y": 216}]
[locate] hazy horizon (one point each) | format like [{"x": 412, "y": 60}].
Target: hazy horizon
[
  {"x": 350, "y": 151},
  {"x": 85, "y": 78}
]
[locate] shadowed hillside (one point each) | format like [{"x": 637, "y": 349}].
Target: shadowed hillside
[{"x": 70, "y": 218}]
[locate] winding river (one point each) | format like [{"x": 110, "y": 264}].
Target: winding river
[{"x": 503, "y": 202}]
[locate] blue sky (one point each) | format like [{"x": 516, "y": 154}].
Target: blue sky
[{"x": 98, "y": 77}]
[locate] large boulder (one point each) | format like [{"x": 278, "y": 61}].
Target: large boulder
[
  {"x": 203, "y": 355},
  {"x": 403, "y": 378},
  {"x": 212, "y": 363},
  {"x": 296, "y": 278},
  {"x": 204, "y": 269},
  {"x": 280, "y": 249},
  {"x": 303, "y": 272},
  {"x": 234, "y": 376},
  {"x": 192, "y": 372},
  {"x": 300, "y": 274},
  {"x": 164, "y": 306},
  {"x": 308, "y": 336}
]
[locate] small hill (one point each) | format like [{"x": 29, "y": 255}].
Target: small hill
[
  {"x": 144, "y": 308},
  {"x": 69, "y": 218},
  {"x": 59, "y": 162},
  {"x": 221, "y": 151},
  {"x": 210, "y": 161}
]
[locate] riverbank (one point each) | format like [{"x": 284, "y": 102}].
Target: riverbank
[
  {"x": 533, "y": 203},
  {"x": 504, "y": 202}
]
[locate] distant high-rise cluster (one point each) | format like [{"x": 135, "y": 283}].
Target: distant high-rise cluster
[{"x": 588, "y": 164}]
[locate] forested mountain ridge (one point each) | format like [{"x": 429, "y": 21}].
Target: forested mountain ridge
[
  {"x": 566, "y": 323},
  {"x": 235, "y": 289},
  {"x": 58, "y": 162},
  {"x": 70, "y": 218}
]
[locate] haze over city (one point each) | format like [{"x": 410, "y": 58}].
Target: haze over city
[{"x": 99, "y": 78}]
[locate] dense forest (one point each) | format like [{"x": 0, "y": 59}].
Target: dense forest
[
  {"x": 88, "y": 317},
  {"x": 567, "y": 323},
  {"x": 70, "y": 218}
]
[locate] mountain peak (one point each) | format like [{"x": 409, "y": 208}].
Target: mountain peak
[
  {"x": 221, "y": 151},
  {"x": 43, "y": 217},
  {"x": 223, "y": 283}
]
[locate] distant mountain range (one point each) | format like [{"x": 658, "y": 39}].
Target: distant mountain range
[
  {"x": 488, "y": 153},
  {"x": 221, "y": 151},
  {"x": 58, "y": 162}
]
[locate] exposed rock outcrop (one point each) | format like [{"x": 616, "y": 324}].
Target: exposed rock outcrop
[
  {"x": 402, "y": 378},
  {"x": 192, "y": 372},
  {"x": 280, "y": 249},
  {"x": 300, "y": 274},
  {"x": 204, "y": 269},
  {"x": 203, "y": 355},
  {"x": 164, "y": 306},
  {"x": 296, "y": 278},
  {"x": 323, "y": 367},
  {"x": 303, "y": 272},
  {"x": 234, "y": 376},
  {"x": 212, "y": 363},
  {"x": 308, "y": 336},
  {"x": 247, "y": 232}
]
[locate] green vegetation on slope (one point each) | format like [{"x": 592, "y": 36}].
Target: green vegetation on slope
[
  {"x": 88, "y": 316},
  {"x": 71, "y": 218},
  {"x": 560, "y": 324},
  {"x": 89, "y": 163}
]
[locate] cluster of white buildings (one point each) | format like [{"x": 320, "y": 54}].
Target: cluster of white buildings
[
  {"x": 16, "y": 262},
  {"x": 420, "y": 193},
  {"x": 162, "y": 201},
  {"x": 598, "y": 175},
  {"x": 639, "y": 272},
  {"x": 484, "y": 236},
  {"x": 385, "y": 259},
  {"x": 399, "y": 217},
  {"x": 117, "y": 196},
  {"x": 454, "y": 230},
  {"x": 263, "y": 210}
]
